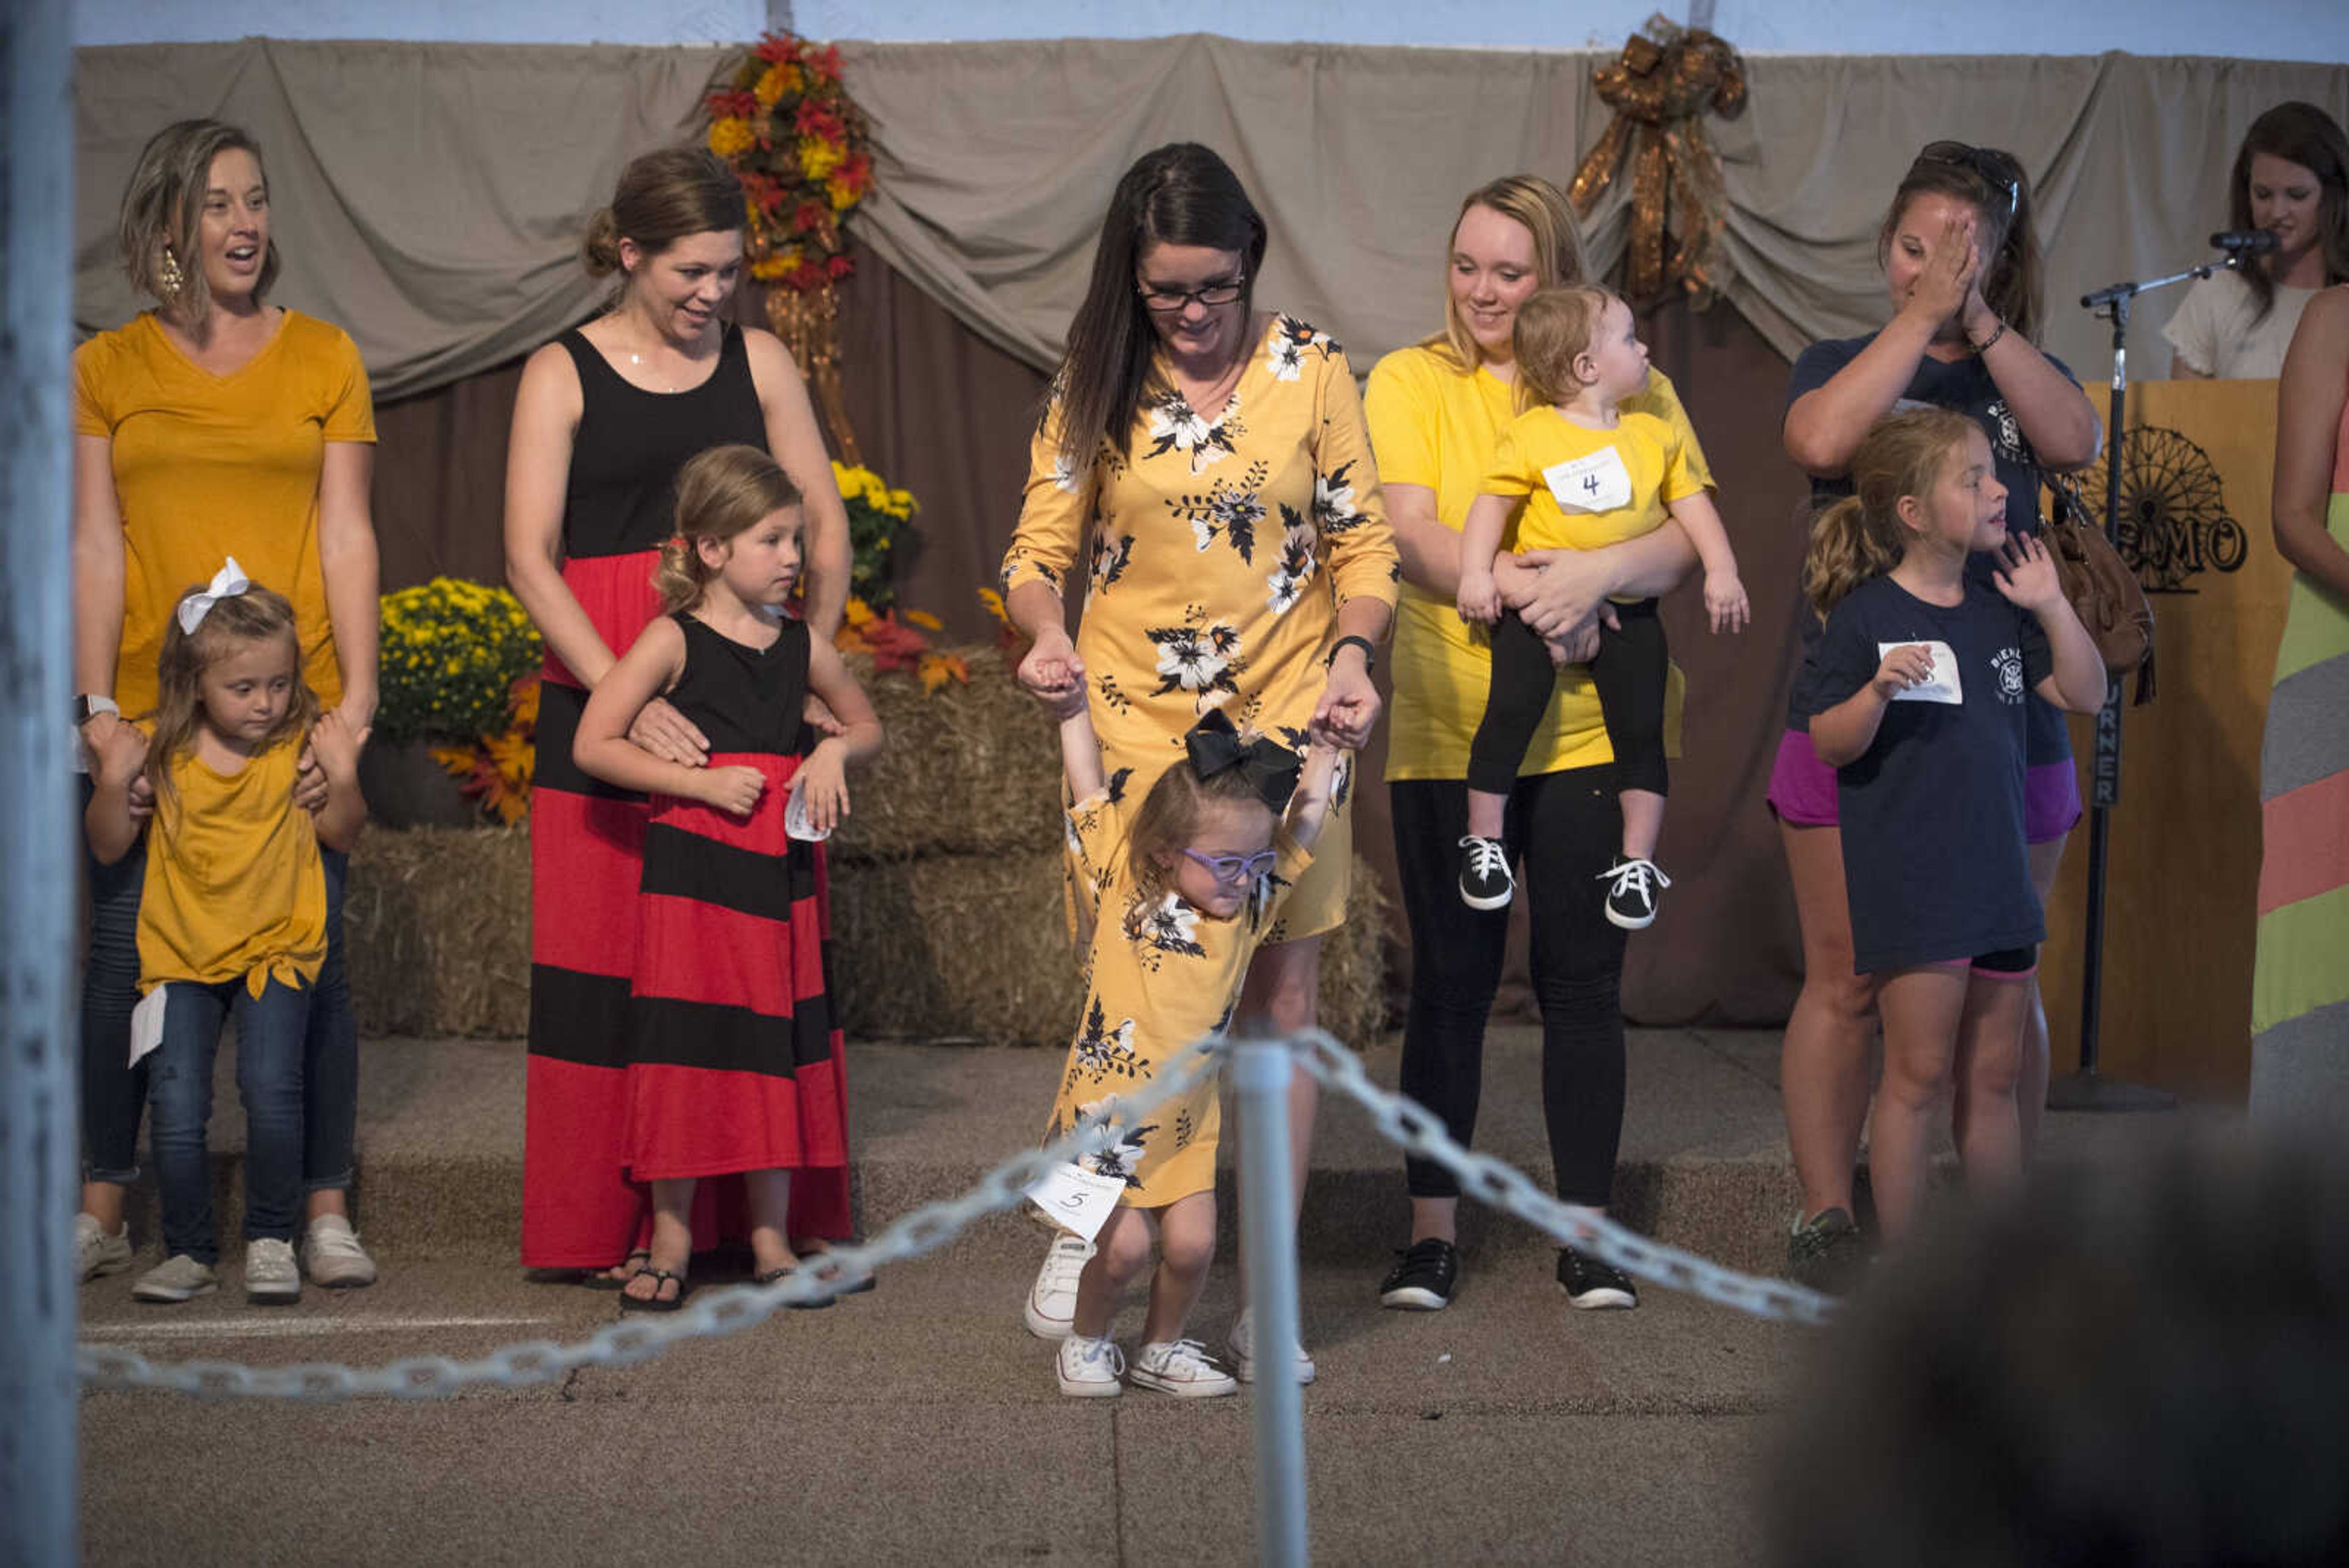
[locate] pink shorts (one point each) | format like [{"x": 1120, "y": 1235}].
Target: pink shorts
[{"x": 1803, "y": 792}]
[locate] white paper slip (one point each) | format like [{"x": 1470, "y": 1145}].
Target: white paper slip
[
  {"x": 1598, "y": 483},
  {"x": 796, "y": 823},
  {"x": 1944, "y": 687},
  {"x": 147, "y": 1023},
  {"x": 1076, "y": 1199}
]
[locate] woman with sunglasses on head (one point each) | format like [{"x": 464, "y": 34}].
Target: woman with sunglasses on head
[
  {"x": 2291, "y": 179},
  {"x": 1203, "y": 476},
  {"x": 1962, "y": 265}
]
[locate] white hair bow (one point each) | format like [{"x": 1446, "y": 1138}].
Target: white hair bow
[{"x": 226, "y": 584}]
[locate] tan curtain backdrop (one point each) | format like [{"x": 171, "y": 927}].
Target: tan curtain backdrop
[{"x": 430, "y": 196}]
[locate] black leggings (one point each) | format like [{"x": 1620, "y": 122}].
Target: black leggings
[
  {"x": 1631, "y": 671},
  {"x": 1566, "y": 828}
]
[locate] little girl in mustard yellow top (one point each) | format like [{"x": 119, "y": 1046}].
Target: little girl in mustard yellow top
[
  {"x": 233, "y": 915},
  {"x": 1588, "y": 475},
  {"x": 1184, "y": 885}
]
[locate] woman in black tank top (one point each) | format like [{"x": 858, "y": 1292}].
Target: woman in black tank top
[{"x": 605, "y": 417}]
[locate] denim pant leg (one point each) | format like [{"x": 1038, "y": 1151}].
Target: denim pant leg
[
  {"x": 179, "y": 1084},
  {"x": 330, "y": 1075},
  {"x": 270, "y": 1030},
  {"x": 113, "y": 1093}
]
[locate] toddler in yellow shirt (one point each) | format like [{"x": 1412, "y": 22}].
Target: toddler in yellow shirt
[
  {"x": 1582, "y": 474},
  {"x": 232, "y": 914}
]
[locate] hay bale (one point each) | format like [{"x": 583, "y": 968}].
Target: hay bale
[
  {"x": 973, "y": 948},
  {"x": 973, "y": 768},
  {"x": 437, "y": 925}
]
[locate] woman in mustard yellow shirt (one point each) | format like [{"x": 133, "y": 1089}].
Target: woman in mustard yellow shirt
[
  {"x": 214, "y": 425},
  {"x": 1436, "y": 411}
]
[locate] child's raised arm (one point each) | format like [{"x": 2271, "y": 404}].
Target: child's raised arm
[
  {"x": 1724, "y": 594},
  {"x": 1309, "y": 807},
  {"x": 821, "y": 781},
  {"x": 1480, "y": 540},
  {"x": 115, "y": 761},
  {"x": 602, "y": 747},
  {"x": 1081, "y": 759},
  {"x": 344, "y": 812},
  {"x": 2027, "y": 577}
]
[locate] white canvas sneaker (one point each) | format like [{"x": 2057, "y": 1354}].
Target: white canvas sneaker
[
  {"x": 1181, "y": 1367},
  {"x": 332, "y": 1256},
  {"x": 176, "y": 1278},
  {"x": 1243, "y": 1352},
  {"x": 96, "y": 1252},
  {"x": 1051, "y": 1311},
  {"x": 1089, "y": 1368},
  {"x": 270, "y": 1277}
]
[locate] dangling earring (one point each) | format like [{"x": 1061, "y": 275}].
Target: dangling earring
[{"x": 169, "y": 278}]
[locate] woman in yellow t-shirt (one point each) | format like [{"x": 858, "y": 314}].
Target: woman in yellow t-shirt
[
  {"x": 214, "y": 425},
  {"x": 1436, "y": 411}
]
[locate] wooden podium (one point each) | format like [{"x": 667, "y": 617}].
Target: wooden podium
[{"x": 2184, "y": 852}]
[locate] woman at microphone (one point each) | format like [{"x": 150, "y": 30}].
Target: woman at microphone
[{"x": 2290, "y": 181}]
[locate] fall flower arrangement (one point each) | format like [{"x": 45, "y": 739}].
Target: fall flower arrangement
[
  {"x": 458, "y": 666},
  {"x": 876, "y": 514},
  {"x": 781, "y": 118}
]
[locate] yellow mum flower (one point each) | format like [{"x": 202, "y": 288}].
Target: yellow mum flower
[
  {"x": 841, "y": 194},
  {"x": 771, "y": 86},
  {"x": 769, "y": 269},
  {"x": 819, "y": 158},
  {"x": 729, "y": 136}
]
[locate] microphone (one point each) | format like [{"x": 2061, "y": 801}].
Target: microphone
[{"x": 2244, "y": 242}]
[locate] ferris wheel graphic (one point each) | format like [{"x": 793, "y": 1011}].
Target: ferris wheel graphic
[{"x": 2173, "y": 524}]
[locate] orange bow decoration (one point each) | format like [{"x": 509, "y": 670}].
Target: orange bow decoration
[{"x": 1660, "y": 89}]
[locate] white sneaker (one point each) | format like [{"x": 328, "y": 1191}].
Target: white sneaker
[
  {"x": 332, "y": 1256},
  {"x": 1051, "y": 1310},
  {"x": 176, "y": 1278},
  {"x": 1089, "y": 1368},
  {"x": 1243, "y": 1352},
  {"x": 1181, "y": 1367},
  {"x": 96, "y": 1252},
  {"x": 270, "y": 1277}
]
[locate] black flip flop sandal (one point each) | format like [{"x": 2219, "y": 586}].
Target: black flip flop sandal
[
  {"x": 656, "y": 1301},
  {"x": 636, "y": 1262},
  {"x": 785, "y": 1273}
]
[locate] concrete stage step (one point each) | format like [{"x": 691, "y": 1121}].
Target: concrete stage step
[{"x": 1703, "y": 1163}]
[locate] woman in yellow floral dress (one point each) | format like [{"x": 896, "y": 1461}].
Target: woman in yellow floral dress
[{"x": 1202, "y": 470}]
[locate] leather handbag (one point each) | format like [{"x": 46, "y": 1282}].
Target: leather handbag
[{"x": 2102, "y": 587}]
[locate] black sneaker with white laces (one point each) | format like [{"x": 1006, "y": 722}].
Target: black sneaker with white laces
[
  {"x": 1590, "y": 1285},
  {"x": 1422, "y": 1281},
  {"x": 1631, "y": 890},
  {"x": 1485, "y": 879}
]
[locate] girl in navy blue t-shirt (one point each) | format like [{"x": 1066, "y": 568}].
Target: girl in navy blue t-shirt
[{"x": 1919, "y": 704}]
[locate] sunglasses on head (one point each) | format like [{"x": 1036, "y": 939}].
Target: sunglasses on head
[{"x": 1995, "y": 169}]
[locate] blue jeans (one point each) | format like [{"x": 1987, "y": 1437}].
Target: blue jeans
[
  {"x": 113, "y": 1094},
  {"x": 270, "y": 1047}
]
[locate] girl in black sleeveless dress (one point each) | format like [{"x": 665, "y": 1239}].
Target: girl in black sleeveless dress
[{"x": 733, "y": 1060}]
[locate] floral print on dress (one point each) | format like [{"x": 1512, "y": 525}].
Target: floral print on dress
[
  {"x": 1169, "y": 925},
  {"x": 1287, "y": 344},
  {"x": 1225, "y": 510},
  {"x": 1103, "y": 1052},
  {"x": 1173, "y": 425},
  {"x": 1110, "y": 560},
  {"x": 1334, "y": 511},
  {"x": 1200, "y": 657},
  {"x": 1298, "y": 556}
]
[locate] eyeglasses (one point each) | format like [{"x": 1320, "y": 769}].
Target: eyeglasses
[
  {"x": 1995, "y": 169},
  {"x": 1169, "y": 301},
  {"x": 1236, "y": 868}
]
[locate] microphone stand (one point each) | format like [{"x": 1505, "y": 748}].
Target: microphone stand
[{"x": 2088, "y": 1089}]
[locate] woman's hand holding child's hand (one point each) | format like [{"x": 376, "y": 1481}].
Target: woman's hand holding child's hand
[
  {"x": 118, "y": 751},
  {"x": 733, "y": 790},
  {"x": 1052, "y": 670},
  {"x": 2027, "y": 575},
  {"x": 1479, "y": 597},
  {"x": 1910, "y": 664},
  {"x": 822, "y": 786},
  {"x": 1725, "y": 601},
  {"x": 335, "y": 747}
]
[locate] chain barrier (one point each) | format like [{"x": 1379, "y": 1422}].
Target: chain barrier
[{"x": 732, "y": 1308}]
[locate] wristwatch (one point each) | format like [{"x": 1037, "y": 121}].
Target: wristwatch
[
  {"x": 1370, "y": 654},
  {"x": 88, "y": 707}
]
